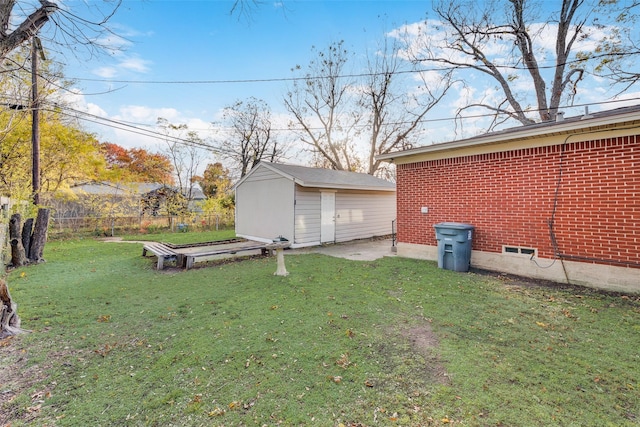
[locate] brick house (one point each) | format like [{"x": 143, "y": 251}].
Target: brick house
[{"x": 557, "y": 200}]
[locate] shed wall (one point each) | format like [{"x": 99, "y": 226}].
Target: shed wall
[
  {"x": 264, "y": 206},
  {"x": 307, "y": 216},
  {"x": 361, "y": 215}
]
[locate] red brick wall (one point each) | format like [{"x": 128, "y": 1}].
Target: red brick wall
[{"x": 509, "y": 197}]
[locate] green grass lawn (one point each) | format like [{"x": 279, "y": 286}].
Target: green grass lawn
[{"x": 395, "y": 342}]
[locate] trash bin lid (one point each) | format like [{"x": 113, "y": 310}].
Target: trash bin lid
[{"x": 454, "y": 225}]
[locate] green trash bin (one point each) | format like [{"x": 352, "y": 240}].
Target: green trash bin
[{"x": 454, "y": 245}]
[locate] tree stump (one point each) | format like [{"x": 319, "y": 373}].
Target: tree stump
[
  {"x": 9, "y": 320},
  {"x": 18, "y": 255},
  {"x": 39, "y": 236},
  {"x": 27, "y": 229}
]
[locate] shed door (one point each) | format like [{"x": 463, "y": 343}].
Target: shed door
[{"x": 327, "y": 217}]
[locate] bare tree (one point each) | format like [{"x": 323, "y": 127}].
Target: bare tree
[
  {"x": 325, "y": 117},
  {"x": 251, "y": 139},
  {"x": 346, "y": 121},
  {"x": 21, "y": 20},
  {"x": 617, "y": 54},
  {"x": 394, "y": 113},
  {"x": 503, "y": 39},
  {"x": 183, "y": 149},
  {"x": 29, "y": 26}
]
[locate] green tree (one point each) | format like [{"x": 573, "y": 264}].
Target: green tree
[
  {"x": 68, "y": 154},
  {"x": 215, "y": 180}
]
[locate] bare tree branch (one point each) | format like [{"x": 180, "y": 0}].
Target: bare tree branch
[
  {"x": 251, "y": 138},
  {"x": 475, "y": 33}
]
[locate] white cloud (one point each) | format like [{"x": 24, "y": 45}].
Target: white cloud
[
  {"x": 105, "y": 72},
  {"x": 137, "y": 65},
  {"x": 95, "y": 110},
  {"x": 146, "y": 115}
]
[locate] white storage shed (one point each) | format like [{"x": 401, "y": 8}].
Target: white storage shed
[{"x": 311, "y": 206}]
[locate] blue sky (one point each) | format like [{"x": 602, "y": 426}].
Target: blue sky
[
  {"x": 199, "y": 41},
  {"x": 186, "y": 60}
]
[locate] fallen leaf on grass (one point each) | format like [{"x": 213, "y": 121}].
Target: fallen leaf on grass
[
  {"x": 217, "y": 412},
  {"x": 343, "y": 361}
]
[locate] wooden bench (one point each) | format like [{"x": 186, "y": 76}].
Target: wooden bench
[
  {"x": 190, "y": 259},
  {"x": 164, "y": 253}
]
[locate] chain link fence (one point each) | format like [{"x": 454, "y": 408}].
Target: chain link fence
[{"x": 116, "y": 226}]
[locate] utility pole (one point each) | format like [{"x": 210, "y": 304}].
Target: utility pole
[{"x": 35, "y": 120}]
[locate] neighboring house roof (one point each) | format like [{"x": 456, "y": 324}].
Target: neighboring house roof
[
  {"x": 325, "y": 178},
  {"x": 196, "y": 192},
  {"x": 591, "y": 123},
  {"x": 113, "y": 189}
]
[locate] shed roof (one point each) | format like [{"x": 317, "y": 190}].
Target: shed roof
[
  {"x": 325, "y": 178},
  {"x": 593, "y": 122}
]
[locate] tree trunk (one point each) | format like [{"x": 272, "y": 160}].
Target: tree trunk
[
  {"x": 9, "y": 320},
  {"x": 27, "y": 228},
  {"x": 18, "y": 255},
  {"x": 39, "y": 237},
  {"x": 14, "y": 226}
]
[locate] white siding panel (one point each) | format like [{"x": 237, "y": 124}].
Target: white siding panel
[
  {"x": 362, "y": 215},
  {"x": 264, "y": 206},
  {"x": 307, "y": 216}
]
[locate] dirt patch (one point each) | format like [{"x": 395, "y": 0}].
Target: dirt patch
[
  {"x": 425, "y": 343},
  {"x": 16, "y": 377},
  {"x": 514, "y": 280}
]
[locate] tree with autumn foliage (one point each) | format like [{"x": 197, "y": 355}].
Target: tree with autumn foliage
[
  {"x": 68, "y": 154},
  {"x": 216, "y": 185},
  {"x": 215, "y": 180},
  {"x": 137, "y": 164}
]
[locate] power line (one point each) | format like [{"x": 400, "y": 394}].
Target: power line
[
  {"x": 353, "y": 75},
  {"x": 88, "y": 117},
  {"x": 139, "y": 130}
]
